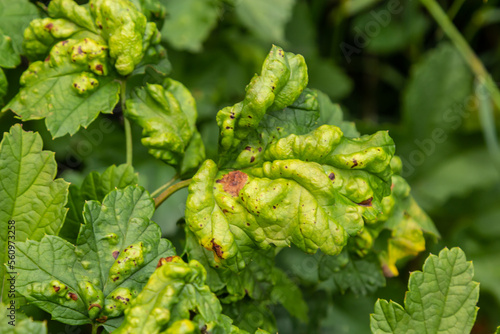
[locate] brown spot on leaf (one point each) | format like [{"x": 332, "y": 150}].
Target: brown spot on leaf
[
  {"x": 331, "y": 176},
  {"x": 95, "y": 305},
  {"x": 115, "y": 254},
  {"x": 72, "y": 295},
  {"x": 354, "y": 163},
  {"x": 248, "y": 148},
  {"x": 102, "y": 319},
  {"x": 252, "y": 159},
  {"x": 217, "y": 249},
  {"x": 56, "y": 288},
  {"x": 48, "y": 58},
  {"x": 366, "y": 202},
  {"x": 80, "y": 51},
  {"x": 233, "y": 182},
  {"x": 49, "y": 26},
  {"x": 164, "y": 260},
  {"x": 98, "y": 67}
]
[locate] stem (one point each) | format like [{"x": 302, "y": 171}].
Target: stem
[
  {"x": 487, "y": 120},
  {"x": 126, "y": 123},
  {"x": 94, "y": 328},
  {"x": 463, "y": 48},
  {"x": 455, "y": 7},
  {"x": 169, "y": 191},
  {"x": 165, "y": 186}
]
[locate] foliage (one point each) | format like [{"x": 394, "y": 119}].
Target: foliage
[{"x": 295, "y": 219}]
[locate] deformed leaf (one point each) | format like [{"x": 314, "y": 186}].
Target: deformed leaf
[
  {"x": 32, "y": 201},
  {"x": 167, "y": 115},
  {"x": 283, "y": 177},
  {"x": 259, "y": 280},
  {"x": 117, "y": 250},
  {"x": 252, "y": 316},
  {"x": 174, "y": 291},
  {"x": 95, "y": 187},
  {"x": 441, "y": 299},
  {"x": 79, "y": 69},
  {"x": 91, "y": 47},
  {"x": 282, "y": 80}
]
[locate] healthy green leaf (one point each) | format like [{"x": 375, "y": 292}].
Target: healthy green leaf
[
  {"x": 3, "y": 86},
  {"x": 348, "y": 271},
  {"x": 8, "y": 56},
  {"x": 14, "y": 18},
  {"x": 189, "y": 22},
  {"x": 94, "y": 187},
  {"x": 11, "y": 324},
  {"x": 251, "y": 316},
  {"x": 167, "y": 115},
  {"x": 117, "y": 250},
  {"x": 441, "y": 299},
  {"x": 437, "y": 92},
  {"x": 32, "y": 201},
  {"x": 265, "y": 19}
]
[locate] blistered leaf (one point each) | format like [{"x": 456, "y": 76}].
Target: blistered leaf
[
  {"x": 296, "y": 182},
  {"x": 77, "y": 68},
  {"x": 441, "y": 299},
  {"x": 189, "y": 22},
  {"x": 117, "y": 250},
  {"x": 174, "y": 291},
  {"x": 167, "y": 115},
  {"x": 265, "y": 19},
  {"x": 282, "y": 80},
  {"x": 90, "y": 47},
  {"x": 32, "y": 201},
  {"x": 95, "y": 187},
  {"x": 12, "y": 324}
]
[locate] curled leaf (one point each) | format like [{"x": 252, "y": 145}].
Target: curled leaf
[{"x": 167, "y": 115}]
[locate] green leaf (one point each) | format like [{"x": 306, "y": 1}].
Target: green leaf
[
  {"x": 453, "y": 177},
  {"x": 8, "y": 56},
  {"x": 252, "y": 316},
  {"x": 167, "y": 115},
  {"x": 10, "y": 324},
  {"x": 14, "y": 18},
  {"x": 437, "y": 92},
  {"x": 3, "y": 86},
  {"x": 288, "y": 294},
  {"x": 76, "y": 72},
  {"x": 117, "y": 250},
  {"x": 30, "y": 198},
  {"x": 174, "y": 291},
  {"x": 265, "y": 19},
  {"x": 441, "y": 299},
  {"x": 361, "y": 275},
  {"x": 189, "y": 23},
  {"x": 95, "y": 187}
]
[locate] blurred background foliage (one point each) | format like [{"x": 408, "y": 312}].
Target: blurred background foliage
[{"x": 390, "y": 66}]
